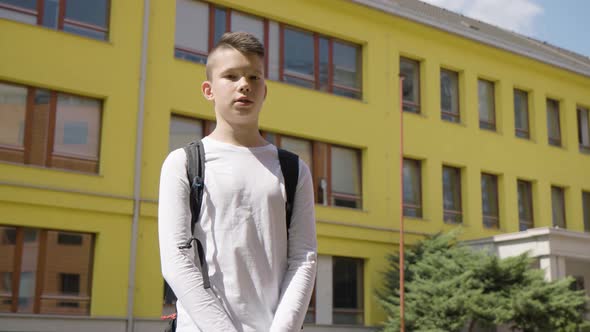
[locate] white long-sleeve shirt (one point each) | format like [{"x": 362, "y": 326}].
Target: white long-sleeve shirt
[{"x": 260, "y": 281}]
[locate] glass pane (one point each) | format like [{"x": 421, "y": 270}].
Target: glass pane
[
  {"x": 452, "y": 193},
  {"x": 347, "y": 283},
  {"x": 77, "y": 127},
  {"x": 247, "y": 23},
  {"x": 410, "y": 69},
  {"x": 525, "y": 207},
  {"x": 192, "y": 26},
  {"x": 346, "y": 65},
  {"x": 347, "y": 93},
  {"x": 183, "y": 131},
  {"x": 190, "y": 56},
  {"x": 346, "y": 173},
  {"x": 298, "y": 53},
  {"x": 553, "y": 130},
  {"x": 67, "y": 275},
  {"x": 586, "y": 208},
  {"x": 91, "y": 12},
  {"x": 28, "y": 271},
  {"x": 584, "y": 127},
  {"x": 489, "y": 195},
  {"x": 7, "y": 248},
  {"x": 13, "y": 104},
  {"x": 298, "y": 146},
  {"x": 298, "y": 81},
  {"x": 50, "y": 13},
  {"x": 220, "y": 24},
  {"x": 324, "y": 64},
  {"x": 18, "y": 16},
  {"x": 558, "y": 206},
  {"x": 86, "y": 32},
  {"x": 449, "y": 92},
  {"x": 25, "y": 4},
  {"x": 412, "y": 188},
  {"x": 521, "y": 112},
  {"x": 487, "y": 115}
]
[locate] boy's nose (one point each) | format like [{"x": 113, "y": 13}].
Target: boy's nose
[{"x": 245, "y": 87}]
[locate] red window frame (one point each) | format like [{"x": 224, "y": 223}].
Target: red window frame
[
  {"x": 316, "y": 61},
  {"x": 61, "y": 16}
]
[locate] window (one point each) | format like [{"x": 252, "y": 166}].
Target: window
[
  {"x": 449, "y": 95},
  {"x": 184, "y": 130},
  {"x": 45, "y": 282},
  {"x": 410, "y": 69},
  {"x": 558, "y": 206},
  {"x": 412, "y": 174},
  {"x": 50, "y": 129},
  {"x": 525, "y": 205},
  {"x": 320, "y": 62},
  {"x": 84, "y": 18},
  {"x": 194, "y": 37},
  {"x": 586, "y": 208},
  {"x": 584, "y": 128},
  {"x": 487, "y": 112},
  {"x": 301, "y": 147},
  {"x": 521, "y": 113},
  {"x": 345, "y": 171},
  {"x": 69, "y": 239},
  {"x": 553, "y": 125},
  {"x": 347, "y": 293},
  {"x": 452, "y": 195},
  {"x": 489, "y": 198}
]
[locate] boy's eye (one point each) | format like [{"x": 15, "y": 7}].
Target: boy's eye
[
  {"x": 255, "y": 77},
  {"x": 231, "y": 76}
]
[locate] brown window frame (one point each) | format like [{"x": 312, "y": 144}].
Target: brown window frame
[
  {"x": 47, "y": 158},
  {"x": 553, "y": 140},
  {"x": 523, "y": 223},
  {"x": 457, "y": 213},
  {"x": 41, "y": 269},
  {"x": 61, "y": 19},
  {"x": 360, "y": 264},
  {"x": 584, "y": 146},
  {"x": 491, "y": 221},
  {"x": 406, "y": 104},
  {"x": 316, "y": 61},
  {"x": 483, "y": 124},
  {"x": 408, "y": 206},
  {"x": 561, "y": 192},
  {"x": 586, "y": 210},
  {"x": 520, "y": 132},
  {"x": 453, "y": 117},
  {"x": 211, "y": 34}
]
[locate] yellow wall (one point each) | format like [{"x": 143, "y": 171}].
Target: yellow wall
[{"x": 110, "y": 70}]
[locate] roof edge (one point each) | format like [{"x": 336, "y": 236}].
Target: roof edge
[{"x": 494, "y": 42}]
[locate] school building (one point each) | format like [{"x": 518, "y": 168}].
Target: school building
[{"x": 94, "y": 94}]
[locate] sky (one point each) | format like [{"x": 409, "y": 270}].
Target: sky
[{"x": 563, "y": 23}]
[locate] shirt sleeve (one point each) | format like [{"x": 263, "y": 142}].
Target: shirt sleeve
[
  {"x": 178, "y": 267},
  {"x": 297, "y": 285}
]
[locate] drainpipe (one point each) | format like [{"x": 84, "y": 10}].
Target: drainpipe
[
  {"x": 401, "y": 210},
  {"x": 138, "y": 162}
]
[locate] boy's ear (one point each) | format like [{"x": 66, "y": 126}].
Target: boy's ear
[{"x": 206, "y": 89}]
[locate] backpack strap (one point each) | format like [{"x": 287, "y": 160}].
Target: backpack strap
[
  {"x": 290, "y": 168},
  {"x": 195, "y": 170}
]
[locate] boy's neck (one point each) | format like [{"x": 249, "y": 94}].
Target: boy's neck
[{"x": 240, "y": 136}]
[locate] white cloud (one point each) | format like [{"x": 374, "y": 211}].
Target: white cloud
[{"x": 516, "y": 15}]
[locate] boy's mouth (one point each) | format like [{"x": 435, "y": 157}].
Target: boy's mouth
[{"x": 243, "y": 101}]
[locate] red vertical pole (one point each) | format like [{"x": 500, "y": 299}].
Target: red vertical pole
[{"x": 401, "y": 210}]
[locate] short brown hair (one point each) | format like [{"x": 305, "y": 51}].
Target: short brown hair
[{"x": 243, "y": 42}]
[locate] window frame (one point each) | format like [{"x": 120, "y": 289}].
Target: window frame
[
  {"x": 458, "y": 183},
  {"x": 491, "y": 221},
  {"x": 360, "y": 310},
  {"x": 561, "y": 192},
  {"x": 583, "y": 129},
  {"x": 553, "y": 114},
  {"x": 76, "y": 163},
  {"x": 40, "y": 269},
  {"x": 407, "y": 103},
  {"x": 61, "y": 18},
  {"x": 528, "y": 186},
  {"x": 524, "y": 133},
  {"x": 586, "y": 210},
  {"x": 316, "y": 62},
  {"x": 453, "y": 117},
  {"x": 483, "y": 124},
  {"x": 419, "y": 208}
]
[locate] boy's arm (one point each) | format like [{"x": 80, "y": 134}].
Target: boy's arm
[
  {"x": 178, "y": 269},
  {"x": 302, "y": 259}
]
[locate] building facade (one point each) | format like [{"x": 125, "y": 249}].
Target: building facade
[{"x": 93, "y": 97}]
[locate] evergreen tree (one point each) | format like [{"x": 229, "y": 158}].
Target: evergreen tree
[{"x": 449, "y": 286}]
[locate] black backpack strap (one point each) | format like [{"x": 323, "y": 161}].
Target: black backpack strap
[
  {"x": 195, "y": 170},
  {"x": 290, "y": 168}
]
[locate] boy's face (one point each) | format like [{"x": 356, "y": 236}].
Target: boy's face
[{"x": 236, "y": 86}]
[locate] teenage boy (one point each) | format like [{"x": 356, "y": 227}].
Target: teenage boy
[{"x": 261, "y": 276}]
